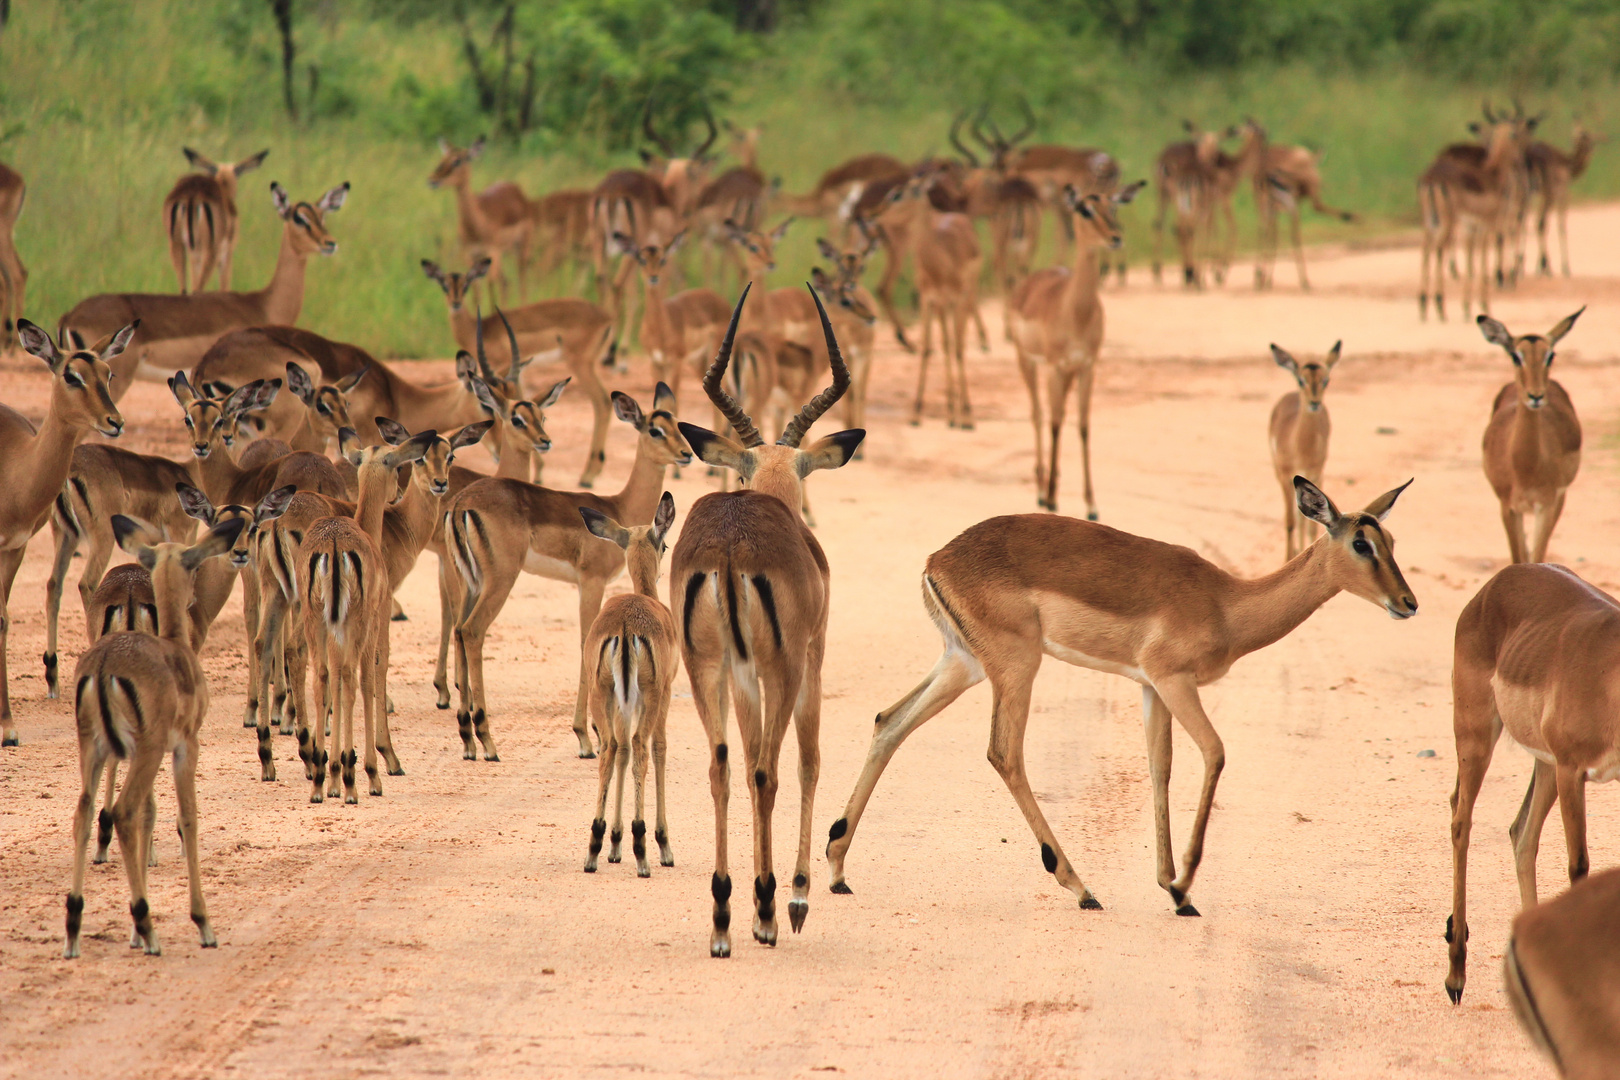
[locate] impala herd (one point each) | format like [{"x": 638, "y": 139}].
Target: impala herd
[{"x": 320, "y": 544}]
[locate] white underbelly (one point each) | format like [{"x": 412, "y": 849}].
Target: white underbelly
[
  {"x": 1080, "y": 659},
  {"x": 547, "y": 567}
]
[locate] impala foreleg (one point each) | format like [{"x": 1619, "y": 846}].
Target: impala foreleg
[
  {"x": 954, "y": 672},
  {"x": 1086, "y": 379},
  {"x": 1572, "y": 805},
  {"x": 65, "y": 532},
  {"x": 1058, "y": 382},
  {"x": 1513, "y": 525},
  {"x": 585, "y": 372},
  {"x": 447, "y": 598},
  {"x": 600, "y": 695},
  {"x": 9, "y": 562},
  {"x": 590, "y": 603},
  {"x": 1546, "y": 520},
  {"x": 130, "y": 815},
  {"x": 1181, "y": 695},
  {"x": 375, "y": 702},
  {"x": 1156, "y": 726},
  {"x": 807, "y": 733}
]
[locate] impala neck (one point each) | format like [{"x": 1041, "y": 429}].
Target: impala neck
[
  {"x": 657, "y": 331},
  {"x": 171, "y": 588},
  {"x": 1582, "y": 156},
  {"x": 39, "y": 472},
  {"x": 1529, "y": 427},
  {"x": 641, "y": 492},
  {"x": 1263, "y": 610},
  {"x": 417, "y": 508},
  {"x": 283, "y": 298},
  {"x": 514, "y": 461},
  {"x": 375, "y": 482},
  {"x": 473, "y": 224},
  {"x": 1081, "y": 295},
  {"x": 217, "y": 472},
  {"x": 642, "y": 562}
]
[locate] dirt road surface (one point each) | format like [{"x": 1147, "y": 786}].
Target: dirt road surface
[{"x": 446, "y": 929}]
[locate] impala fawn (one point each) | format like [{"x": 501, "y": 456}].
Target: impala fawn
[{"x": 1299, "y": 438}]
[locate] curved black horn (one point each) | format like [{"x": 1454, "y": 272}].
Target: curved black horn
[
  {"x": 483, "y": 357},
  {"x": 647, "y": 129},
  {"x": 511, "y": 342},
  {"x": 714, "y": 383},
  {"x": 794, "y": 433},
  {"x": 1029, "y": 122},
  {"x": 708, "y": 118},
  {"x": 956, "y": 141}
]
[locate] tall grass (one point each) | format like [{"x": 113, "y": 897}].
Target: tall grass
[{"x": 107, "y": 93}]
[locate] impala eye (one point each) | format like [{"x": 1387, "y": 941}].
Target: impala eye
[
  {"x": 656, "y": 432},
  {"x": 1550, "y": 358},
  {"x": 73, "y": 380},
  {"x": 1361, "y": 547},
  {"x": 189, "y": 424},
  {"x": 517, "y": 422}
]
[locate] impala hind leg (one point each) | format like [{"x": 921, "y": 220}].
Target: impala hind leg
[
  {"x": 954, "y": 672},
  {"x": 1546, "y": 520},
  {"x": 1026, "y": 368},
  {"x": 1010, "y": 688},
  {"x": 90, "y": 764},
  {"x": 1476, "y": 728},
  {"x": 638, "y": 821},
  {"x": 1156, "y": 726},
  {"x": 185, "y": 790},
  {"x": 807, "y": 733},
  {"x": 604, "y": 765},
  {"x": 585, "y": 372},
  {"x": 67, "y": 542},
  {"x": 590, "y": 602},
  {"x": 1513, "y": 525},
  {"x": 447, "y": 597},
  {"x": 772, "y": 713},
  {"x": 660, "y": 751},
  {"x": 1526, "y": 829},
  {"x": 1181, "y": 695},
  {"x": 472, "y": 718},
  {"x": 1572, "y": 804},
  {"x": 927, "y": 322},
  {"x": 1086, "y": 379},
  {"x": 621, "y": 764},
  {"x": 129, "y": 818},
  {"x": 1059, "y": 381},
  {"x": 104, "y": 820},
  {"x": 10, "y": 561},
  {"x": 709, "y": 696}
]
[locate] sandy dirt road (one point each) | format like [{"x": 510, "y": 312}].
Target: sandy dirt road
[{"x": 446, "y": 929}]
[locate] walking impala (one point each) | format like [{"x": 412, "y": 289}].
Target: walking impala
[
  {"x": 1012, "y": 589},
  {"x": 142, "y": 697},
  {"x": 1532, "y": 445},
  {"x": 1300, "y": 427},
  {"x": 36, "y": 460},
  {"x": 199, "y": 215},
  {"x": 632, "y": 642},
  {"x": 1055, "y": 319},
  {"x": 497, "y": 528},
  {"x": 177, "y": 330},
  {"x": 753, "y": 583},
  {"x": 1537, "y": 654}
]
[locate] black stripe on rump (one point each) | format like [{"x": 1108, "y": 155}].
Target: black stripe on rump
[
  {"x": 768, "y": 598},
  {"x": 731, "y": 612},
  {"x": 693, "y": 584}
]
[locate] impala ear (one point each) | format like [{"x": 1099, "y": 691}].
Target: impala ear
[
  {"x": 467, "y": 369},
  {"x": 1130, "y": 192},
  {"x": 136, "y": 537},
  {"x": 246, "y": 398},
  {"x": 433, "y": 271},
  {"x": 824, "y": 246},
  {"x": 298, "y": 382},
  {"x": 833, "y": 452},
  {"x": 477, "y": 147},
  {"x": 470, "y": 434},
  {"x": 485, "y": 396},
  {"x": 349, "y": 445},
  {"x": 626, "y": 245},
  {"x": 248, "y": 164},
  {"x": 1563, "y": 327},
  {"x": 1497, "y": 334},
  {"x": 820, "y": 280},
  {"x": 780, "y": 231},
  {"x": 663, "y": 398},
  {"x": 479, "y": 269},
  {"x": 1333, "y": 354},
  {"x": 219, "y": 540},
  {"x": 626, "y": 408},
  {"x": 274, "y": 504},
  {"x": 349, "y": 382},
  {"x": 278, "y": 197},
  {"x": 198, "y": 161},
  {"x": 1314, "y": 503},
  {"x": 663, "y": 518},
  {"x": 1381, "y": 506},
  {"x": 601, "y": 525},
  {"x": 1284, "y": 359},
  {"x": 37, "y": 341},
  {"x": 179, "y": 385},
  {"x": 332, "y": 201},
  {"x": 717, "y": 450},
  {"x": 411, "y": 450},
  {"x": 553, "y": 394},
  {"x": 195, "y": 503},
  {"x": 392, "y": 431},
  {"x": 120, "y": 341}
]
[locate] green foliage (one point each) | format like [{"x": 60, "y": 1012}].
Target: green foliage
[{"x": 98, "y": 96}]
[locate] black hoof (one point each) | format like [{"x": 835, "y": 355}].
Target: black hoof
[
  {"x": 401, "y": 617},
  {"x": 497, "y": 757},
  {"x": 1091, "y": 515},
  {"x": 842, "y": 889},
  {"x": 1090, "y": 904},
  {"x": 797, "y": 911},
  {"x": 10, "y": 740},
  {"x": 1188, "y": 910},
  {"x": 436, "y": 705},
  {"x": 397, "y": 770},
  {"x": 1454, "y": 995}
]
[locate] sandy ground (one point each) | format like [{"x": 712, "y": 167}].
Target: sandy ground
[{"x": 446, "y": 929}]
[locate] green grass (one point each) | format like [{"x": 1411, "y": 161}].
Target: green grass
[{"x": 107, "y": 93}]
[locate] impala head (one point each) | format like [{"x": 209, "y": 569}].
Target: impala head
[
  {"x": 780, "y": 469},
  {"x": 267, "y": 509},
  {"x": 328, "y": 405},
  {"x": 1312, "y": 376},
  {"x": 80, "y": 390},
  {"x": 432, "y": 470},
  {"x": 1361, "y": 551},
  {"x": 1532, "y": 355},
  {"x": 457, "y": 287},
  {"x": 1001, "y": 146},
  {"x": 679, "y": 175},
  {"x": 848, "y": 263},
  {"x": 662, "y": 436},
  {"x": 226, "y": 175},
  {"x": 454, "y": 163},
  {"x": 759, "y": 249},
  {"x": 1097, "y": 216},
  {"x": 844, "y": 292},
  {"x": 208, "y": 419},
  {"x": 643, "y": 544},
  {"x": 744, "y": 142},
  {"x": 520, "y": 425},
  {"x": 306, "y": 222},
  {"x": 164, "y": 560},
  {"x": 650, "y": 257},
  {"x": 377, "y": 465}
]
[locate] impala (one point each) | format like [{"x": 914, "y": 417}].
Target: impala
[
  {"x": 177, "y": 330},
  {"x": 753, "y": 588},
  {"x": 1563, "y": 976},
  {"x": 1055, "y": 319},
  {"x": 576, "y": 333},
  {"x": 199, "y": 215},
  {"x": 1299, "y": 432},
  {"x": 13, "y": 275},
  {"x": 142, "y": 698},
  {"x": 1477, "y": 197},
  {"x": 1536, "y": 655},
  {"x": 1552, "y": 172},
  {"x": 678, "y": 331},
  {"x": 497, "y": 528},
  {"x": 1183, "y": 177},
  {"x": 1012, "y": 589},
  {"x": 36, "y": 460},
  {"x": 1285, "y": 178},
  {"x": 632, "y": 643},
  {"x": 1532, "y": 447},
  {"x": 496, "y": 220}
]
